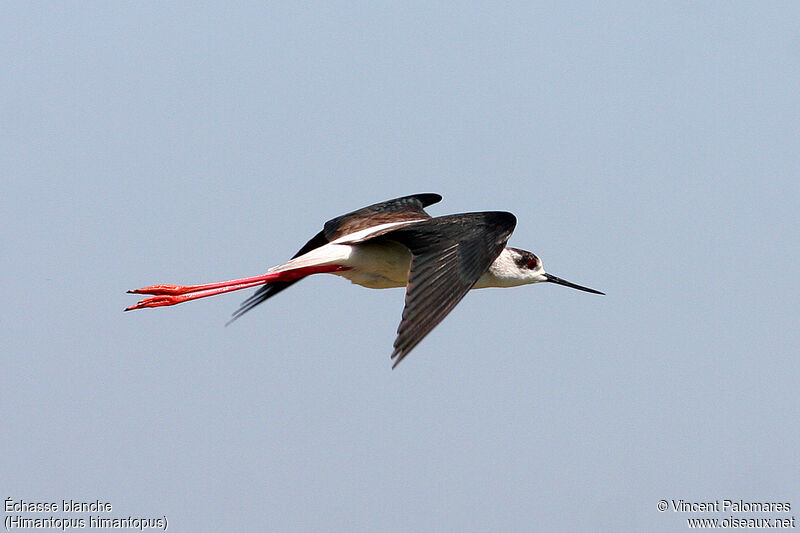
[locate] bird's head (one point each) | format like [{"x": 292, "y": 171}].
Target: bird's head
[{"x": 529, "y": 269}]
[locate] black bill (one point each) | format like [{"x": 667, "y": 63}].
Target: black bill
[{"x": 554, "y": 279}]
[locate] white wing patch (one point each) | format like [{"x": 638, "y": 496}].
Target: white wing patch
[{"x": 364, "y": 234}]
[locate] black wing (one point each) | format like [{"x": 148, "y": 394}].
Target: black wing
[
  {"x": 396, "y": 210},
  {"x": 449, "y": 255}
]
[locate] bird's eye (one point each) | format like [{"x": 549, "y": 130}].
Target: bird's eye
[{"x": 533, "y": 263}]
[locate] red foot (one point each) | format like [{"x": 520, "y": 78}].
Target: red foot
[
  {"x": 163, "y": 289},
  {"x": 155, "y": 301}
]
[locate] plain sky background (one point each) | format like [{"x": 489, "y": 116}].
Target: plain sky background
[{"x": 649, "y": 150}]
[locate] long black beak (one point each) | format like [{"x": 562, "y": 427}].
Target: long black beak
[{"x": 553, "y": 279}]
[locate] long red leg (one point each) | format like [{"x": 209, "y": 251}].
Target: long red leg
[{"x": 175, "y": 294}]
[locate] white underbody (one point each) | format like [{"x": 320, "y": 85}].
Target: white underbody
[{"x": 384, "y": 264}]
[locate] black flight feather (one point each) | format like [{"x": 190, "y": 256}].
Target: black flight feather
[{"x": 449, "y": 255}]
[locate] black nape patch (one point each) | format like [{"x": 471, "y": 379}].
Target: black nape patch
[{"x": 525, "y": 259}]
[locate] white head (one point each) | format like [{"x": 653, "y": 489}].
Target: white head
[{"x": 515, "y": 267}]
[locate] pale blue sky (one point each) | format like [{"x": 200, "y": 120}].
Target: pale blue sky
[{"x": 650, "y": 151}]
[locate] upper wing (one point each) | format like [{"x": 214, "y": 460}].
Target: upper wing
[
  {"x": 401, "y": 209},
  {"x": 449, "y": 255}
]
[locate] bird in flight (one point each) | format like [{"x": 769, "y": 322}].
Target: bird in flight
[{"x": 394, "y": 244}]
